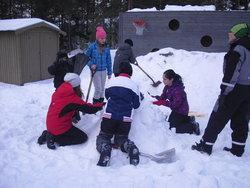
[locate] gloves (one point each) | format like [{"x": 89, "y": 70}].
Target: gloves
[{"x": 161, "y": 102}]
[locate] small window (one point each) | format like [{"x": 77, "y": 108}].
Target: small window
[
  {"x": 206, "y": 41},
  {"x": 174, "y": 24}
]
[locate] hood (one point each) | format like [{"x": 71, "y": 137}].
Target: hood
[
  {"x": 124, "y": 47},
  {"x": 63, "y": 91}
]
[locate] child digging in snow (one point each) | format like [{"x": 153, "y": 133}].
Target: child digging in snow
[
  {"x": 174, "y": 97},
  {"x": 66, "y": 100},
  {"x": 123, "y": 96}
]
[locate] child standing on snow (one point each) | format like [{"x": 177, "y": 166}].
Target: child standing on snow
[
  {"x": 174, "y": 97},
  {"x": 124, "y": 53},
  {"x": 123, "y": 96},
  {"x": 66, "y": 100},
  {"x": 100, "y": 63}
]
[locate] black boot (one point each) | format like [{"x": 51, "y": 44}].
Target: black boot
[
  {"x": 196, "y": 128},
  {"x": 42, "y": 139},
  {"x": 134, "y": 155},
  {"x": 203, "y": 147},
  {"x": 50, "y": 141},
  {"x": 104, "y": 155},
  {"x": 133, "y": 152},
  {"x": 237, "y": 150}
]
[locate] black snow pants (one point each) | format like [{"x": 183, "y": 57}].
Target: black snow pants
[
  {"x": 71, "y": 137},
  {"x": 234, "y": 107},
  {"x": 182, "y": 123},
  {"x": 119, "y": 130}
]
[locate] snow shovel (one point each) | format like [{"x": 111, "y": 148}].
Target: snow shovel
[
  {"x": 90, "y": 84},
  {"x": 154, "y": 84},
  {"x": 163, "y": 157}
]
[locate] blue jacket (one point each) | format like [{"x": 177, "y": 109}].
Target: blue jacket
[
  {"x": 101, "y": 60},
  {"x": 123, "y": 96}
]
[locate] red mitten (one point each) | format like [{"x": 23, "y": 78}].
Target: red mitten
[{"x": 160, "y": 102}]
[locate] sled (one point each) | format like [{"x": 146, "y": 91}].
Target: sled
[
  {"x": 163, "y": 157},
  {"x": 196, "y": 114}
]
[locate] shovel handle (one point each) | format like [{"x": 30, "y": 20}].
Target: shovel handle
[{"x": 137, "y": 64}]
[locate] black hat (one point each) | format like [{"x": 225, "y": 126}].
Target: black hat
[
  {"x": 126, "y": 68},
  {"x": 129, "y": 41}
]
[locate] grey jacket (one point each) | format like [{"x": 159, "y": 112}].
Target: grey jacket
[
  {"x": 236, "y": 65},
  {"x": 124, "y": 53}
]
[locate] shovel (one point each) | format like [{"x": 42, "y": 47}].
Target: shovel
[
  {"x": 154, "y": 84},
  {"x": 163, "y": 157},
  {"x": 90, "y": 84}
]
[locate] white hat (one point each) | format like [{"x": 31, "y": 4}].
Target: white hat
[{"x": 73, "y": 79}]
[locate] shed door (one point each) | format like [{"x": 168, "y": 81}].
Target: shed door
[{"x": 30, "y": 50}]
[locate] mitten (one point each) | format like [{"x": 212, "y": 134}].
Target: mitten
[{"x": 160, "y": 102}]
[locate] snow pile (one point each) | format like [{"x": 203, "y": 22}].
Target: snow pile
[{"x": 24, "y": 163}]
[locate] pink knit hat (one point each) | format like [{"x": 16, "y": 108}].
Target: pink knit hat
[{"x": 100, "y": 33}]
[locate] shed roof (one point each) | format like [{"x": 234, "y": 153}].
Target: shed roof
[{"x": 22, "y": 24}]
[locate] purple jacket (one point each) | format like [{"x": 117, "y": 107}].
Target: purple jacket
[{"x": 177, "y": 98}]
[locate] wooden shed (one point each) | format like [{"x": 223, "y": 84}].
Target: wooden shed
[{"x": 27, "y": 47}]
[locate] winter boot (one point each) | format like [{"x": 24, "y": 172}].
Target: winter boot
[
  {"x": 50, "y": 141},
  {"x": 237, "y": 150},
  {"x": 202, "y": 147},
  {"x": 134, "y": 155},
  {"x": 196, "y": 128},
  {"x": 133, "y": 152},
  {"x": 104, "y": 155},
  {"x": 42, "y": 139}
]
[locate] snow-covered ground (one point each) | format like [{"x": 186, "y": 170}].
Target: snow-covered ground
[{"x": 24, "y": 164}]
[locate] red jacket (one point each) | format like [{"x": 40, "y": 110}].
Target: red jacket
[{"x": 63, "y": 96}]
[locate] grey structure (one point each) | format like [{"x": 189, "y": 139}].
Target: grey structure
[
  {"x": 189, "y": 30},
  {"x": 27, "y": 50}
]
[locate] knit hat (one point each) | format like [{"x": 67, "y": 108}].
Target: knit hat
[
  {"x": 129, "y": 41},
  {"x": 73, "y": 79},
  {"x": 240, "y": 30},
  {"x": 126, "y": 68},
  {"x": 100, "y": 33}
]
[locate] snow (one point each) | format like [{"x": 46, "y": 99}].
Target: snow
[
  {"x": 23, "y": 163},
  {"x": 15, "y": 24},
  {"x": 177, "y": 8}
]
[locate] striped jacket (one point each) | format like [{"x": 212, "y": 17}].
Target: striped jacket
[{"x": 122, "y": 96}]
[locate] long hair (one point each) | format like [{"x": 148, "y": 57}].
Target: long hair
[
  {"x": 169, "y": 74},
  {"x": 78, "y": 91}
]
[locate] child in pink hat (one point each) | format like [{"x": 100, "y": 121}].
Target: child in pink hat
[{"x": 100, "y": 63}]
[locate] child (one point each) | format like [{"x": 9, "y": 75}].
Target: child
[
  {"x": 123, "y": 54},
  {"x": 66, "y": 100},
  {"x": 60, "y": 67},
  {"x": 174, "y": 97},
  {"x": 123, "y": 96},
  {"x": 100, "y": 63}
]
